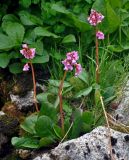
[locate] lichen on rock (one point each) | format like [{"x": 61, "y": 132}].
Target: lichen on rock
[
  {"x": 91, "y": 146},
  {"x": 121, "y": 114}
]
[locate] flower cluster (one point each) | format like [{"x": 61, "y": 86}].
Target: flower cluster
[
  {"x": 99, "y": 35},
  {"x": 70, "y": 62},
  {"x": 95, "y": 17},
  {"x": 28, "y": 53}
]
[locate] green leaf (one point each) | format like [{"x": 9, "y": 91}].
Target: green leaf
[
  {"x": 49, "y": 110},
  {"x": 115, "y": 48},
  {"x": 83, "y": 76},
  {"x": 73, "y": 20},
  {"x": 25, "y": 3},
  {"x": 100, "y": 6},
  {"x": 86, "y": 128},
  {"x": 83, "y": 92},
  {"x": 40, "y": 31},
  {"x": 15, "y": 32},
  {"x": 4, "y": 60},
  {"x": 113, "y": 19},
  {"x": 58, "y": 131},
  {"x": 30, "y": 37},
  {"x": 39, "y": 47},
  {"x": 10, "y": 17},
  {"x": 115, "y": 3},
  {"x": 43, "y": 126},
  {"x": 29, "y": 19},
  {"x": 77, "y": 124},
  {"x": 56, "y": 83},
  {"x": 69, "y": 39},
  {"x": 5, "y": 42},
  {"x": 25, "y": 142},
  {"x": 29, "y": 124},
  {"x": 43, "y": 98},
  {"x": 16, "y": 68},
  {"x": 88, "y": 117},
  {"x": 77, "y": 83},
  {"x": 46, "y": 141}
]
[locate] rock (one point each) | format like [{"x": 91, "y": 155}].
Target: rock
[
  {"x": 91, "y": 146},
  {"x": 23, "y": 102},
  {"x": 26, "y": 101},
  {"x": 8, "y": 128},
  {"x": 121, "y": 114}
]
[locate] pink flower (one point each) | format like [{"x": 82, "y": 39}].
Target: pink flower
[
  {"x": 100, "y": 35},
  {"x": 78, "y": 69},
  {"x": 28, "y": 53},
  {"x": 72, "y": 56},
  {"x": 70, "y": 62},
  {"x": 26, "y": 67},
  {"x": 67, "y": 65},
  {"x": 95, "y": 17}
]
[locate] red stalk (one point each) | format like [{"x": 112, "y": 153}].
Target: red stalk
[
  {"x": 97, "y": 58},
  {"x": 60, "y": 97},
  {"x": 34, "y": 86}
]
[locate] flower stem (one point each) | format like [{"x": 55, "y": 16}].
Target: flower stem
[
  {"x": 60, "y": 97},
  {"x": 34, "y": 86},
  {"x": 97, "y": 58}
]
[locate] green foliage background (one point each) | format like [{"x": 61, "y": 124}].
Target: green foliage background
[{"x": 48, "y": 24}]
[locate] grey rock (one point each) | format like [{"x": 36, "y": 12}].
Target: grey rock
[
  {"x": 22, "y": 102},
  {"x": 26, "y": 101},
  {"x": 122, "y": 112},
  {"x": 91, "y": 146}
]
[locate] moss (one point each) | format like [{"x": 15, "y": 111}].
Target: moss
[{"x": 8, "y": 125}]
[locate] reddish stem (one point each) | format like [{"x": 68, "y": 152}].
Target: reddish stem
[
  {"x": 34, "y": 86},
  {"x": 60, "y": 97},
  {"x": 97, "y": 58}
]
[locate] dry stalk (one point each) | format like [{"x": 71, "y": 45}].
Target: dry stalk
[{"x": 109, "y": 132}]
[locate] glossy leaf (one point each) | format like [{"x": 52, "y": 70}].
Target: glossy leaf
[
  {"x": 43, "y": 126},
  {"x": 16, "y": 68},
  {"x": 88, "y": 117},
  {"x": 58, "y": 131},
  {"x": 40, "y": 31},
  {"x": 74, "y": 20},
  {"x": 46, "y": 141},
  {"x": 83, "y": 92},
  {"x": 4, "y": 60},
  {"x": 25, "y": 142},
  {"x": 29, "y": 124},
  {"x": 113, "y": 19},
  {"x": 49, "y": 110},
  {"x": 29, "y": 19},
  {"x": 56, "y": 83},
  {"x": 5, "y": 42},
  {"x": 69, "y": 39},
  {"x": 15, "y": 31},
  {"x": 25, "y": 3},
  {"x": 77, "y": 124}
]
